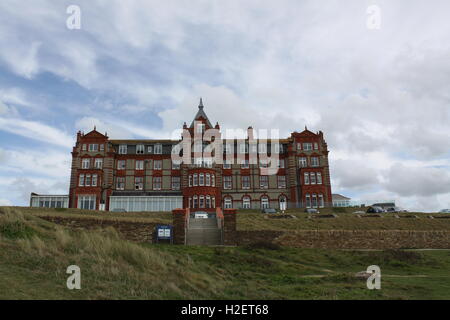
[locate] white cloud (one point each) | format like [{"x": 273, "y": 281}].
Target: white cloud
[
  {"x": 36, "y": 131},
  {"x": 5, "y": 202}
]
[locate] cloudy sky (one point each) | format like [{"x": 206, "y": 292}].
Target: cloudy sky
[{"x": 137, "y": 69}]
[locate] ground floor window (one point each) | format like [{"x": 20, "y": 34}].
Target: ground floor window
[
  {"x": 228, "y": 203},
  {"x": 308, "y": 200},
  {"x": 146, "y": 203},
  {"x": 264, "y": 203},
  {"x": 246, "y": 203},
  {"x": 86, "y": 202}
]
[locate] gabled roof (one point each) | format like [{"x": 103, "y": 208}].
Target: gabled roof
[{"x": 201, "y": 115}]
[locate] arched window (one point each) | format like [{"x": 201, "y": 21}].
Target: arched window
[
  {"x": 208, "y": 201},
  {"x": 308, "y": 200},
  {"x": 228, "y": 203},
  {"x": 190, "y": 203},
  {"x": 195, "y": 203},
  {"x": 208, "y": 180},
  {"x": 246, "y": 203},
  {"x": 195, "y": 180},
  {"x": 213, "y": 200},
  {"x": 314, "y": 200},
  {"x": 321, "y": 204},
  {"x": 201, "y": 179},
  {"x": 264, "y": 202},
  {"x": 190, "y": 180},
  {"x": 202, "y": 201},
  {"x": 213, "y": 180}
]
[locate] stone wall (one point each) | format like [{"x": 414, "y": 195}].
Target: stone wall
[
  {"x": 349, "y": 239},
  {"x": 133, "y": 231}
]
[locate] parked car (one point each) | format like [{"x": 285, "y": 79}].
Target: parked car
[
  {"x": 445, "y": 211},
  {"x": 395, "y": 210},
  {"x": 269, "y": 210},
  {"x": 375, "y": 209},
  {"x": 311, "y": 210}
]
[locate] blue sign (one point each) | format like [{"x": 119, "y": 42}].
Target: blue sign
[{"x": 163, "y": 232}]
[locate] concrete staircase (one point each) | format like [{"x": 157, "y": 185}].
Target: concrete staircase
[{"x": 203, "y": 232}]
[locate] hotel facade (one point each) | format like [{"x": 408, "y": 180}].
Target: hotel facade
[{"x": 142, "y": 175}]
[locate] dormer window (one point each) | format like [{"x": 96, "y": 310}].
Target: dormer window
[
  {"x": 140, "y": 149},
  {"x": 123, "y": 149},
  {"x": 158, "y": 149}
]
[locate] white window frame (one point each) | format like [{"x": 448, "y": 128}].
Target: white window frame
[
  {"x": 85, "y": 163},
  {"x": 119, "y": 162},
  {"x": 98, "y": 164},
  {"x": 120, "y": 183},
  {"x": 81, "y": 180},
  {"x": 157, "y": 164},
  {"x": 263, "y": 182},
  {"x": 123, "y": 149},
  {"x": 246, "y": 202},
  {"x": 157, "y": 183},
  {"x": 245, "y": 185},
  {"x": 140, "y": 149},
  {"x": 139, "y": 165},
  {"x": 227, "y": 182},
  {"x": 158, "y": 148}
]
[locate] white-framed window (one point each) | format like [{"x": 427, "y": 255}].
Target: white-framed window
[
  {"x": 213, "y": 180},
  {"x": 93, "y": 147},
  {"x": 208, "y": 201},
  {"x": 245, "y": 164},
  {"x": 139, "y": 165},
  {"x": 98, "y": 163},
  {"x": 150, "y": 149},
  {"x": 245, "y": 182},
  {"x": 123, "y": 149},
  {"x": 190, "y": 180},
  {"x": 312, "y": 176},
  {"x": 299, "y": 146},
  {"x": 201, "y": 201},
  {"x": 94, "y": 180},
  {"x": 319, "y": 178},
  {"x": 84, "y": 147},
  {"x": 81, "y": 180},
  {"x": 227, "y": 182},
  {"x": 138, "y": 183},
  {"x": 120, "y": 183},
  {"x": 86, "y": 202},
  {"x": 201, "y": 179},
  {"x": 157, "y": 164},
  {"x": 308, "y": 200},
  {"x": 157, "y": 181},
  {"x": 246, "y": 203},
  {"x": 307, "y": 146},
  {"x": 314, "y": 161},
  {"x": 302, "y": 162},
  {"x": 121, "y": 164},
  {"x": 314, "y": 200},
  {"x": 306, "y": 178},
  {"x": 207, "y": 180},
  {"x": 86, "y": 163},
  {"x": 176, "y": 183},
  {"x": 265, "y": 202},
  {"x": 276, "y": 147},
  {"x": 281, "y": 182},
  {"x": 263, "y": 182},
  {"x": 227, "y": 203},
  {"x": 195, "y": 203},
  {"x": 158, "y": 149},
  {"x": 195, "y": 180},
  {"x": 213, "y": 202},
  {"x": 87, "y": 181},
  {"x": 102, "y": 147},
  {"x": 316, "y": 146},
  {"x": 281, "y": 163},
  {"x": 190, "y": 202},
  {"x": 140, "y": 149},
  {"x": 321, "y": 203}
]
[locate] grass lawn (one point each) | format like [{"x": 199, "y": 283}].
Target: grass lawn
[{"x": 34, "y": 255}]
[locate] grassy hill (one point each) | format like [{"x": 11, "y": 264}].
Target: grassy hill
[{"x": 34, "y": 255}]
